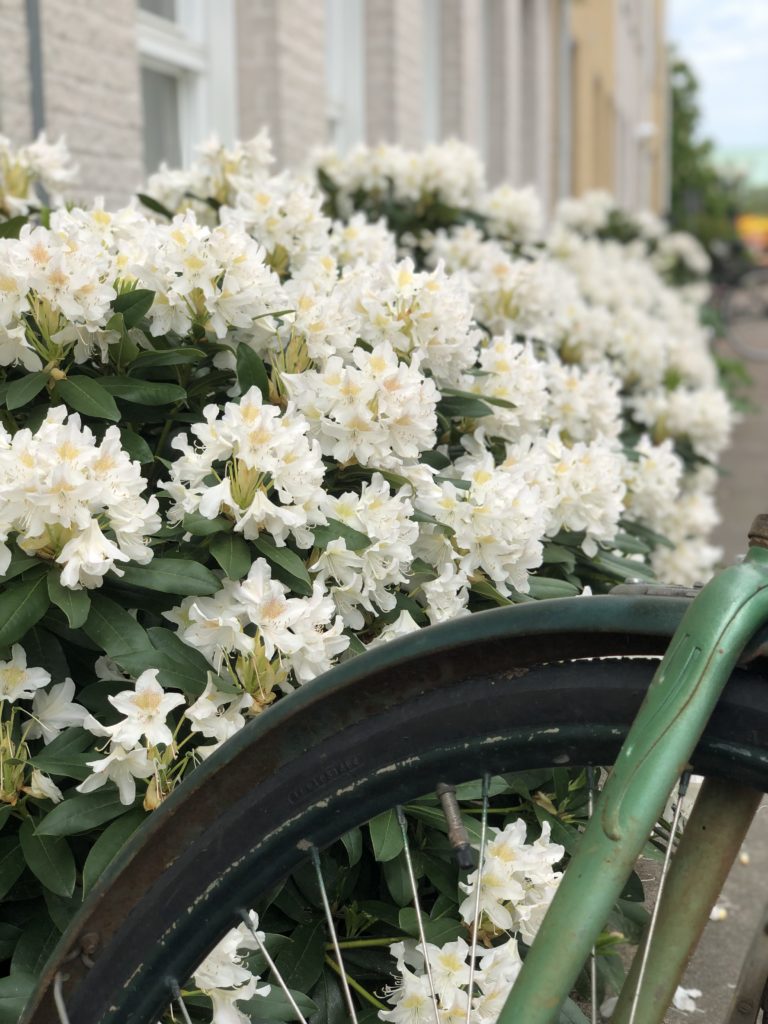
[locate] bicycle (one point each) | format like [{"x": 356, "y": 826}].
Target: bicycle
[{"x": 557, "y": 682}]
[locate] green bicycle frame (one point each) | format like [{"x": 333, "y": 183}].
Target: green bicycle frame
[{"x": 683, "y": 694}]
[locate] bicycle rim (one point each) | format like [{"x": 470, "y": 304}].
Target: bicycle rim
[{"x": 518, "y": 710}]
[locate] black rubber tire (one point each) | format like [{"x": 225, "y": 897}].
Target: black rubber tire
[{"x": 475, "y": 719}]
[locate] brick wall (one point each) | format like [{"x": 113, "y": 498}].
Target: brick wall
[
  {"x": 15, "y": 106},
  {"x": 281, "y": 58},
  {"x": 92, "y": 91},
  {"x": 394, "y": 52}
]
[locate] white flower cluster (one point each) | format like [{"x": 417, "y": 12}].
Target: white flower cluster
[
  {"x": 265, "y": 633},
  {"x": 225, "y": 977},
  {"x": 411, "y": 999},
  {"x": 267, "y": 476},
  {"x": 518, "y": 881},
  {"x": 517, "y": 885},
  {"x": 450, "y": 171},
  {"x": 73, "y": 501},
  {"x": 40, "y": 162}
]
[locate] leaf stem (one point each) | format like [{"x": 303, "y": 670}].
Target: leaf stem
[
  {"x": 365, "y": 943},
  {"x": 355, "y": 985}
]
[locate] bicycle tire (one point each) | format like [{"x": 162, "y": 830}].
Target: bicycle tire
[{"x": 515, "y": 688}]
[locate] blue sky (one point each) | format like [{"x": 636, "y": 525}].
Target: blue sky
[{"x": 726, "y": 42}]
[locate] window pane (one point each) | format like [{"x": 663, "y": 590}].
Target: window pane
[
  {"x": 162, "y": 8},
  {"x": 160, "y": 95}
]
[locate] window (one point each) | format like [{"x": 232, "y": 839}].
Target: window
[
  {"x": 345, "y": 70},
  {"x": 187, "y": 54}
]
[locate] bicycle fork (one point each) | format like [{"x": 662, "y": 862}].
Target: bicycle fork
[{"x": 673, "y": 716}]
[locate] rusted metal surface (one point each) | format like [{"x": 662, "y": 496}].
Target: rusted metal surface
[{"x": 715, "y": 831}]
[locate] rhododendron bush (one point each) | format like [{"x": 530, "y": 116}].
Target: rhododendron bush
[{"x": 254, "y": 423}]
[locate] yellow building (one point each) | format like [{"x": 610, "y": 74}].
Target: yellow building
[{"x": 618, "y": 93}]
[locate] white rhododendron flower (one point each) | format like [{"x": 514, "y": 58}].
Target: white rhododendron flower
[
  {"x": 145, "y": 709},
  {"x": 61, "y": 488},
  {"x": 518, "y": 881},
  {"x": 53, "y": 710},
  {"x": 122, "y": 767},
  {"x": 17, "y": 681},
  {"x": 267, "y": 474}
]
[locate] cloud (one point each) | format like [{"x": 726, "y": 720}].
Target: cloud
[{"x": 725, "y": 42}]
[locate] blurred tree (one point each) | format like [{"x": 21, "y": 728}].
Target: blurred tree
[{"x": 703, "y": 201}]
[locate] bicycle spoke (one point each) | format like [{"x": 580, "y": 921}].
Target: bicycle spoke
[
  {"x": 593, "y": 958},
  {"x": 58, "y": 998},
  {"x": 682, "y": 789},
  {"x": 417, "y": 906},
  {"x": 476, "y": 910},
  {"x": 272, "y": 965},
  {"x": 334, "y": 937},
  {"x": 176, "y": 991}
]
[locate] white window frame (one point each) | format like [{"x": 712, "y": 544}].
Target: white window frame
[
  {"x": 345, "y": 72},
  {"x": 198, "y": 50}
]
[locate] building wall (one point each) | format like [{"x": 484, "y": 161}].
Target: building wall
[
  {"x": 394, "y": 78},
  {"x": 565, "y": 94},
  {"x": 95, "y": 103},
  {"x": 281, "y": 73},
  {"x": 15, "y": 99}
]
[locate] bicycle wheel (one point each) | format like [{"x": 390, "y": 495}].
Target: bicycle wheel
[{"x": 512, "y": 689}]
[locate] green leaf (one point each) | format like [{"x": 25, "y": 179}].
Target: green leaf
[
  {"x": 143, "y": 392},
  {"x": 331, "y": 1006},
  {"x": 11, "y": 863},
  {"x": 275, "y": 1006},
  {"x": 49, "y": 858},
  {"x": 11, "y": 228},
  {"x": 446, "y": 929},
  {"x": 154, "y": 205},
  {"x": 463, "y": 408},
  {"x": 136, "y": 446},
  {"x": 9, "y": 936},
  {"x": 301, "y": 963},
  {"x": 181, "y": 666},
  {"x": 81, "y": 812},
  {"x": 232, "y": 553},
  {"x": 113, "y": 629},
  {"x": 294, "y": 572},
  {"x": 35, "y": 944},
  {"x": 200, "y": 526},
  {"x": 353, "y": 844},
  {"x": 251, "y": 371},
  {"x": 386, "y": 835},
  {"x": 74, "y": 603},
  {"x": 22, "y": 391},
  {"x": 472, "y": 397},
  {"x": 543, "y": 588},
  {"x": 173, "y": 576},
  {"x": 67, "y": 754},
  {"x": 22, "y": 605},
  {"x": 15, "y": 990},
  {"x": 85, "y": 395},
  {"x": 134, "y": 305},
  {"x": 335, "y": 530},
  {"x": 19, "y": 563},
  {"x": 166, "y": 357},
  {"x": 109, "y": 844},
  {"x": 398, "y": 881}
]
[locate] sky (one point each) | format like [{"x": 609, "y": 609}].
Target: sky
[{"x": 726, "y": 43}]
